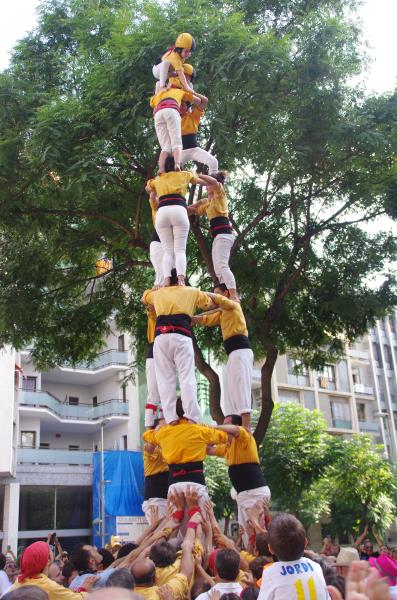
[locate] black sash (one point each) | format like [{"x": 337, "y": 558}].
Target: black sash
[
  {"x": 220, "y": 225},
  {"x": 236, "y": 342},
  {"x": 246, "y": 476},
  {"x": 189, "y": 140},
  {"x": 179, "y": 323},
  {"x": 185, "y": 472},
  {"x": 156, "y": 486},
  {"x": 172, "y": 200},
  {"x": 155, "y": 236}
]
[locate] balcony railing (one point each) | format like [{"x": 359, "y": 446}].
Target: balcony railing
[
  {"x": 341, "y": 424},
  {"x": 104, "y": 359},
  {"x": 48, "y": 456},
  {"x": 368, "y": 426},
  {"x": 359, "y": 388},
  {"x": 109, "y": 408},
  {"x": 358, "y": 354}
]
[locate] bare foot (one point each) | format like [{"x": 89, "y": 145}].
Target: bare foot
[
  {"x": 181, "y": 280},
  {"x": 177, "y": 167},
  {"x": 167, "y": 281}
]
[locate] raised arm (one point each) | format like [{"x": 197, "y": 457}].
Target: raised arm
[
  {"x": 230, "y": 429},
  {"x": 207, "y": 180}
]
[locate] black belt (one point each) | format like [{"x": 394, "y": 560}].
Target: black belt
[
  {"x": 185, "y": 472},
  {"x": 172, "y": 200},
  {"x": 246, "y": 476},
  {"x": 236, "y": 342},
  {"x": 189, "y": 140},
  {"x": 220, "y": 225},
  {"x": 156, "y": 486},
  {"x": 155, "y": 236},
  {"x": 178, "y": 323}
]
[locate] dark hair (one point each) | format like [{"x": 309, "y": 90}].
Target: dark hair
[
  {"x": 121, "y": 578},
  {"x": 3, "y": 561},
  {"x": 169, "y": 164},
  {"x": 250, "y": 593},
  {"x": 220, "y": 176},
  {"x": 107, "y": 558},
  {"x": 287, "y": 537},
  {"x": 126, "y": 549},
  {"x": 174, "y": 277},
  {"x": 80, "y": 558},
  {"x": 179, "y": 408},
  {"x": 227, "y": 564},
  {"x": 199, "y": 587},
  {"x": 26, "y": 592},
  {"x": 326, "y": 567},
  {"x": 235, "y": 419},
  {"x": 256, "y": 566},
  {"x": 162, "y": 554},
  {"x": 221, "y": 286},
  {"x": 338, "y": 581},
  {"x": 68, "y": 569},
  {"x": 261, "y": 544},
  {"x": 230, "y": 596}
]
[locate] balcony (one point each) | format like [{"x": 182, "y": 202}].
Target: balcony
[
  {"x": 341, "y": 424},
  {"x": 86, "y": 412},
  {"x": 104, "y": 359},
  {"x": 359, "y": 388},
  {"x": 360, "y": 355},
  {"x": 368, "y": 426},
  {"x": 53, "y": 456}
]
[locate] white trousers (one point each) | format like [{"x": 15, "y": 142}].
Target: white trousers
[
  {"x": 156, "y": 258},
  {"x": 174, "y": 352},
  {"x": 153, "y": 396},
  {"x": 161, "y": 504},
  {"x": 238, "y": 381},
  {"x": 247, "y": 500},
  {"x": 200, "y": 156},
  {"x": 199, "y": 487},
  {"x": 160, "y": 72},
  {"x": 167, "y": 123},
  {"x": 172, "y": 226},
  {"x": 221, "y": 247}
]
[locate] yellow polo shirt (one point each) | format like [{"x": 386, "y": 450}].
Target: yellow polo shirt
[
  {"x": 231, "y": 319},
  {"x": 174, "y": 93},
  {"x": 217, "y": 206},
  {"x": 190, "y": 121},
  {"x": 242, "y": 449},
  {"x": 174, "y": 182},
  {"x": 173, "y": 300},
  {"x": 179, "y": 586},
  {"x": 184, "y": 442},
  {"x": 164, "y": 574},
  {"x": 54, "y": 590},
  {"x": 175, "y": 59},
  {"x": 151, "y": 325},
  {"x": 153, "y": 462}
]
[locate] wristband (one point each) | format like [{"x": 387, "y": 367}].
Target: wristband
[
  {"x": 251, "y": 539},
  {"x": 192, "y": 525},
  {"x": 178, "y": 515},
  {"x": 193, "y": 510}
]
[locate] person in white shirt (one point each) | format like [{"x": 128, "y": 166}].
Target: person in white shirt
[
  {"x": 294, "y": 577},
  {"x": 227, "y": 566}
]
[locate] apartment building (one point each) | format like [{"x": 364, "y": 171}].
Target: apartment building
[{"x": 52, "y": 423}]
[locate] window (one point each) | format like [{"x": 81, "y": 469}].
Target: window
[
  {"x": 288, "y": 396},
  {"x": 28, "y": 439},
  {"x": 95, "y": 401},
  {"x": 341, "y": 417},
  {"x": 356, "y": 376},
  {"x": 121, "y": 343},
  {"x": 388, "y": 357},
  {"x": 29, "y": 383},
  {"x": 44, "y": 445},
  {"x": 73, "y": 401},
  {"x": 297, "y": 372},
  {"x": 326, "y": 378},
  {"x": 309, "y": 400},
  {"x": 73, "y": 447},
  {"x": 124, "y": 392},
  {"x": 124, "y": 442},
  {"x": 377, "y": 354},
  {"x": 52, "y": 508},
  {"x": 361, "y": 412}
]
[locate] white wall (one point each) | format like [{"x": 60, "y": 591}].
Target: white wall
[
  {"x": 29, "y": 424},
  {"x": 85, "y": 441},
  {"x": 8, "y": 414}
]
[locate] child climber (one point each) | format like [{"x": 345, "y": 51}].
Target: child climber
[{"x": 173, "y": 60}]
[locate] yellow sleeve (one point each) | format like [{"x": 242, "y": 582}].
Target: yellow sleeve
[
  {"x": 150, "y": 184},
  {"x": 197, "y": 114},
  {"x": 148, "y": 296},
  {"x": 203, "y": 301},
  {"x": 175, "y": 60},
  {"x": 179, "y": 586},
  {"x": 58, "y": 592},
  {"x": 220, "y": 450},
  {"x": 202, "y": 208},
  {"x": 224, "y": 302},
  {"x": 150, "y": 436},
  {"x": 243, "y": 437},
  {"x": 214, "y": 436},
  {"x": 212, "y": 319}
]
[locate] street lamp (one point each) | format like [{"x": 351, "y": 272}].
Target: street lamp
[{"x": 103, "y": 523}]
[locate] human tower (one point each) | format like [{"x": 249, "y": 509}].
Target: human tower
[{"x": 175, "y": 441}]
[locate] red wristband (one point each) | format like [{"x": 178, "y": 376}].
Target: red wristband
[
  {"x": 251, "y": 539},
  {"x": 193, "y": 510},
  {"x": 192, "y": 525},
  {"x": 267, "y": 521},
  {"x": 178, "y": 515}
]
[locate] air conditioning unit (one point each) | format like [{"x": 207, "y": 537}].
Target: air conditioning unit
[{"x": 324, "y": 382}]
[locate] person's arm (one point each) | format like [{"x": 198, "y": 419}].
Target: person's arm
[
  {"x": 377, "y": 537},
  {"x": 147, "y": 297},
  {"x": 361, "y": 537},
  {"x": 187, "y": 560},
  {"x": 183, "y": 80},
  {"x": 154, "y": 201},
  {"x": 198, "y": 208},
  {"x": 222, "y": 301},
  {"x": 200, "y": 572},
  {"x": 150, "y": 436},
  {"x": 233, "y": 430},
  {"x": 149, "y": 187},
  {"x": 208, "y": 181},
  {"x": 208, "y": 319},
  {"x": 200, "y": 101}
]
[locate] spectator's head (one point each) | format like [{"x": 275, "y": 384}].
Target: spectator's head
[
  {"x": 250, "y": 593},
  {"x": 3, "y": 561},
  {"x": 162, "y": 554},
  {"x": 144, "y": 572},
  {"x": 261, "y": 545},
  {"x": 86, "y": 558},
  {"x": 256, "y": 566},
  {"x": 287, "y": 537},
  {"x": 126, "y": 549},
  {"x": 35, "y": 559},
  {"x": 11, "y": 569},
  {"x": 233, "y": 420},
  {"x": 55, "y": 572},
  {"x": 107, "y": 558},
  {"x": 227, "y": 564},
  {"x": 344, "y": 559},
  {"x": 338, "y": 582},
  {"x": 121, "y": 578},
  {"x": 26, "y": 592},
  {"x": 368, "y": 547},
  {"x": 385, "y": 567},
  {"x": 200, "y": 586},
  {"x": 327, "y": 568},
  {"x": 69, "y": 572}
]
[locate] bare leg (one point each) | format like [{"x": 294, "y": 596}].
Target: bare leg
[
  {"x": 162, "y": 157},
  {"x": 177, "y": 153},
  {"x": 233, "y": 295}
]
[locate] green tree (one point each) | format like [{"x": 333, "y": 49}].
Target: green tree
[
  {"x": 218, "y": 483},
  {"x": 311, "y": 159}
]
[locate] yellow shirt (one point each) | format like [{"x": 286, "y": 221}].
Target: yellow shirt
[
  {"x": 175, "y": 300},
  {"x": 231, "y": 318},
  {"x": 184, "y": 442},
  {"x": 53, "y": 589},
  {"x": 190, "y": 121},
  {"x": 151, "y": 325},
  {"x": 179, "y": 586},
  {"x": 175, "y": 59},
  {"x": 247, "y": 556},
  {"x": 242, "y": 449},
  {"x": 174, "y": 182},
  {"x": 174, "y": 93},
  {"x": 153, "y": 462},
  {"x": 216, "y": 207},
  {"x": 164, "y": 574}
]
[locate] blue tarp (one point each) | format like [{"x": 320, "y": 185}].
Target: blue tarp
[{"x": 123, "y": 489}]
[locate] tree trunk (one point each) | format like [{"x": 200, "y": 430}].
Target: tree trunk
[
  {"x": 267, "y": 400},
  {"x": 213, "y": 379}
]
